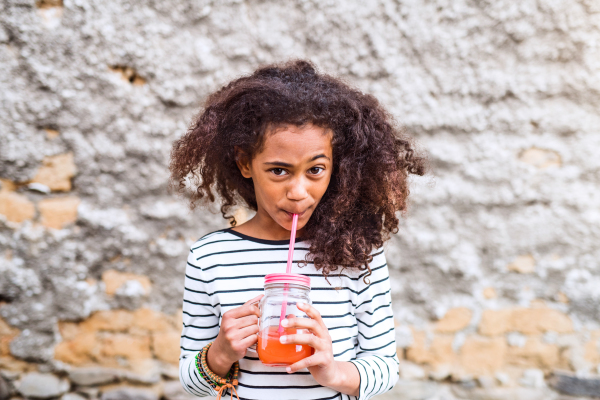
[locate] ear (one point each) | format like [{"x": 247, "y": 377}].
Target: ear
[{"x": 243, "y": 162}]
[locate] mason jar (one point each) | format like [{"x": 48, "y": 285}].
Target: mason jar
[{"x": 282, "y": 294}]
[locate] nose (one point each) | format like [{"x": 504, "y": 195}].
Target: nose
[{"x": 296, "y": 191}]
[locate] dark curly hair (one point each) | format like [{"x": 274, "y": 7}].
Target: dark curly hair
[{"x": 371, "y": 158}]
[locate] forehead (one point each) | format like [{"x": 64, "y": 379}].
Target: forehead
[{"x": 297, "y": 143}]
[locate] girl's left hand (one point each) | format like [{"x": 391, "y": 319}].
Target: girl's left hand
[{"x": 321, "y": 364}]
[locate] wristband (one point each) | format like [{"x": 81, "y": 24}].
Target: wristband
[{"x": 216, "y": 382}]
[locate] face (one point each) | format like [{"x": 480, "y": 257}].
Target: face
[{"x": 290, "y": 175}]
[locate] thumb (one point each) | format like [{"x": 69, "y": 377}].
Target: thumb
[{"x": 254, "y": 300}]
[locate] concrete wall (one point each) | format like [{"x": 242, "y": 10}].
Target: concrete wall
[{"x": 496, "y": 278}]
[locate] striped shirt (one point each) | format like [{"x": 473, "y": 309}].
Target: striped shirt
[{"x": 226, "y": 268}]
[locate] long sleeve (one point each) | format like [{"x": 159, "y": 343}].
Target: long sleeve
[
  {"x": 200, "y": 326},
  {"x": 376, "y": 361},
  {"x": 225, "y": 269}
]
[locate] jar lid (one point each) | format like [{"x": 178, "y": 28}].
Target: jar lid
[{"x": 297, "y": 279}]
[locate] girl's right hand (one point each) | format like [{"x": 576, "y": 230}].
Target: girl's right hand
[{"x": 239, "y": 328}]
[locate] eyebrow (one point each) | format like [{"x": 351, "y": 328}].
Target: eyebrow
[{"x": 287, "y": 165}]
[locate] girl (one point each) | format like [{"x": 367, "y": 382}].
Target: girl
[{"x": 288, "y": 140}]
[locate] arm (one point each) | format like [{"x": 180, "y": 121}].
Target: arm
[
  {"x": 200, "y": 326},
  {"x": 231, "y": 336},
  {"x": 342, "y": 376},
  {"x": 239, "y": 328},
  {"x": 377, "y": 361},
  {"x": 375, "y": 370},
  {"x": 348, "y": 379}
]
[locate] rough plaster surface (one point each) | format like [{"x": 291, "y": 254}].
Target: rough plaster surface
[{"x": 503, "y": 95}]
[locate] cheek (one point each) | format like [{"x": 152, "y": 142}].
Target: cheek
[
  {"x": 266, "y": 191},
  {"x": 321, "y": 188}
]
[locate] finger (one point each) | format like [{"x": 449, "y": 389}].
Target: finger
[
  {"x": 247, "y": 308},
  {"x": 313, "y": 325},
  {"x": 257, "y": 298},
  {"x": 304, "y": 323},
  {"x": 304, "y": 363},
  {"x": 248, "y": 320},
  {"x": 302, "y": 338},
  {"x": 251, "y": 330},
  {"x": 248, "y": 341},
  {"x": 311, "y": 312},
  {"x": 255, "y": 310},
  {"x": 252, "y": 305},
  {"x": 234, "y": 337}
]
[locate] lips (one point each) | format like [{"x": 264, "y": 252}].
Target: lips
[{"x": 292, "y": 214}]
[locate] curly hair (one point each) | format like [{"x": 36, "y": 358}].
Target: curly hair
[{"x": 371, "y": 158}]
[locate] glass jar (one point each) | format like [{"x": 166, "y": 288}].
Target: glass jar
[{"x": 282, "y": 293}]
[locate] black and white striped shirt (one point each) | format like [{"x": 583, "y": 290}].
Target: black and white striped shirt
[{"x": 226, "y": 268}]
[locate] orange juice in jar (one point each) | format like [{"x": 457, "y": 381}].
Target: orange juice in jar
[{"x": 282, "y": 293}]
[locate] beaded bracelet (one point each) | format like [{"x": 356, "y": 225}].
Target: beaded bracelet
[
  {"x": 213, "y": 383},
  {"x": 216, "y": 382},
  {"x": 203, "y": 374}
]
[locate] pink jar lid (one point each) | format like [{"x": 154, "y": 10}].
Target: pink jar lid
[{"x": 297, "y": 279}]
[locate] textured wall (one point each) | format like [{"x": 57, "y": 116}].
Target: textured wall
[{"x": 496, "y": 277}]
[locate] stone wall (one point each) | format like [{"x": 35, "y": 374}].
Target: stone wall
[{"x": 495, "y": 271}]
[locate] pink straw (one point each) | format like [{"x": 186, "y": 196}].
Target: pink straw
[
  {"x": 292, "y": 243},
  {"x": 288, "y": 269}
]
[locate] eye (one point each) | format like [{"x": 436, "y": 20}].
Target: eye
[
  {"x": 316, "y": 170},
  {"x": 278, "y": 171}
]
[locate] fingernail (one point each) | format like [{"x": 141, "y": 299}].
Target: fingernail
[
  {"x": 284, "y": 322},
  {"x": 301, "y": 304},
  {"x": 283, "y": 339},
  {"x": 288, "y": 369}
]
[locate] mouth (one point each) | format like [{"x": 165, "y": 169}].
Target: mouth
[{"x": 292, "y": 214}]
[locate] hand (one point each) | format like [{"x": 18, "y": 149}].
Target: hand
[
  {"x": 321, "y": 364},
  {"x": 238, "y": 331}
]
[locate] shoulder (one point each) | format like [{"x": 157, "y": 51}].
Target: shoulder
[
  {"x": 214, "y": 242},
  {"x": 378, "y": 270},
  {"x": 378, "y": 254},
  {"x": 379, "y": 264},
  {"x": 232, "y": 248}
]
